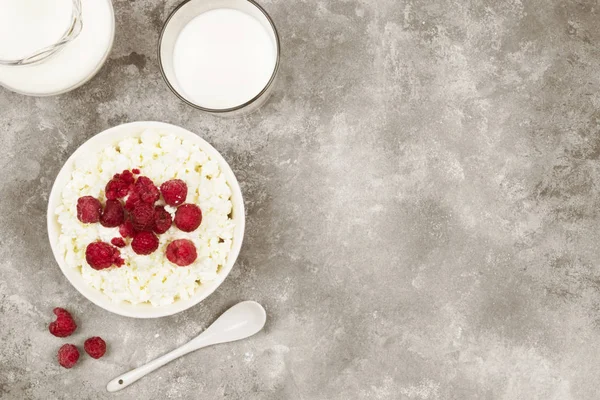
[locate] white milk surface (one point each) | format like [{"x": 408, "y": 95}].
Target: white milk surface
[
  {"x": 30, "y": 25},
  {"x": 223, "y": 58},
  {"x": 71, "y": 66}
]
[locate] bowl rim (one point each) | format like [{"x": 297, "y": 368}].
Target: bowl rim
[
  {"x": 114, "y": 135},
  {"x": 220, "y": 110}
]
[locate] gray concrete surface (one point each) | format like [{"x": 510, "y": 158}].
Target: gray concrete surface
[{"x": 423, "y": 210}]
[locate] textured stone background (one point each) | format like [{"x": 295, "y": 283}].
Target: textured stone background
[{"x": 423, "y": 210}]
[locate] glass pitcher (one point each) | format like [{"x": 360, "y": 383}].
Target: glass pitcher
[{"x": 70, "y": 33}]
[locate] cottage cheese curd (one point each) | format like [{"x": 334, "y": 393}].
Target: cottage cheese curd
[{"x": 150, "y": 278}]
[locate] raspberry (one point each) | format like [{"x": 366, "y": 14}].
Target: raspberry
[
  {"x": 126, "y": 230},
  {"x": 132, "y": 201},
  {"x": 88, "y": 209},
  {"x": 147, "y": 192},
  {"x": 181, "y": 252},
  {"x": 144, "y": 243},
  {"x": 116, "y": 188},
  {"x": 188, "y": 217},
  {"x": 68, "y": 355},
  {"x": 143, "y": 191},
  {"x": 95, "y": 347},
  {"x": 142, "y": 217},
  {"x": 113, "y": 214},
  {"x": 126, "y": 176},
  {"x": 162, "y": 220},
  {"x": 117, "y": 241},
  {"x": 64, "y": 325},
  {"x": 174, "y": 192},
  {"x": 136, "y": 171},
  {"x": 100, "y": 255},
  {"x": 119, "y": 186}
]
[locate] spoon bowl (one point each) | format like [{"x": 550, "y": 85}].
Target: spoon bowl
[{"x": 239, "y": 322}]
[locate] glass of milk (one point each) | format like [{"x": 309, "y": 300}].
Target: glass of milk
[{"x": 220, "y": 56}]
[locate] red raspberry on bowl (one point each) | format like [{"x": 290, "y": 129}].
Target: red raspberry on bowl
[
  {"x": 181, "y": 252},
  {"x": 142, "y": 217},
  {"x": 119, "y": 186},
  {"x": 118, "y": 242},
  {"x": 100, "y": 255},
  {"x": 95, "y": 347},
  {"x": 126, "y": 230},
  {"x": 127, "y": 177},
  {"x": 188, "y": 217},
  {"x": 162, "y": 220},
  {"x": 68, "y": 355},
  {"x": 132, "y": 201},
  {"x": 89, "y": 209},
  {"x": 144, "y": 243},
  {"x": 64, "y": 325},
  {"x": 174, "y": 192},
  {"x": 146, "y": 190},
  {"x": 113, "y": 214}
]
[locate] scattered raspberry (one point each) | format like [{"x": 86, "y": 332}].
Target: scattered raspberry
[
  {"x": 188, "y": 217},
  {"x": 132, "y": 201},
  {"x": 174, "y": 192},
  {"x": 135, "y": 171},
  {"x": 100, "y": 255},
  {"x": 126, "y": 230},
  {"x": 144, "y": 243},
  {"x": 143, "y": 191},
  {"x": 113, "y": 214},
  {"x": 162, "y": 220},
  {"x": 146, "y": 190},
  {"x": 181, "y": 252},
  {"x": 117, "y": 241},
  {"x": 116, "y": 188},
  {"x": 126, "y": 176},
  {"x": 95, "y": 347},
  {"x": 119, "y": 186},
  {"x": 68, "y": 355},
  {"x": 89, "y": 209},
  {"x": 64, "y": 325},
  {"x": 142, "y": 217}
]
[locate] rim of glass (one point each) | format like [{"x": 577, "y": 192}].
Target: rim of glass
[
  {"x": 219, "y": 110},
  {"x": 72, "y": 31}
]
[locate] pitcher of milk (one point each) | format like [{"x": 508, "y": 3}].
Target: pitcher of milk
[
  {"x": 33, "y": 30},
  {"x": 52, "y": 46}
]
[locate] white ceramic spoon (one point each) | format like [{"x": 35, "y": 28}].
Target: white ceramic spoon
[{"x": 239, "y": 322}]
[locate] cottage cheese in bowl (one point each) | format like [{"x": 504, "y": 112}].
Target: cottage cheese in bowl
[{"x": 148, "y": 285}]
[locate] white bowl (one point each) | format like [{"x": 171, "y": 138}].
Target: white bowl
[{"x": 110, "y": 137}]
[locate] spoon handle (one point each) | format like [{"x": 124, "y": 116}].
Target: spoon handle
[
  {"x": 239, "y": 322},
  {"x": 130, "y": 377}
]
